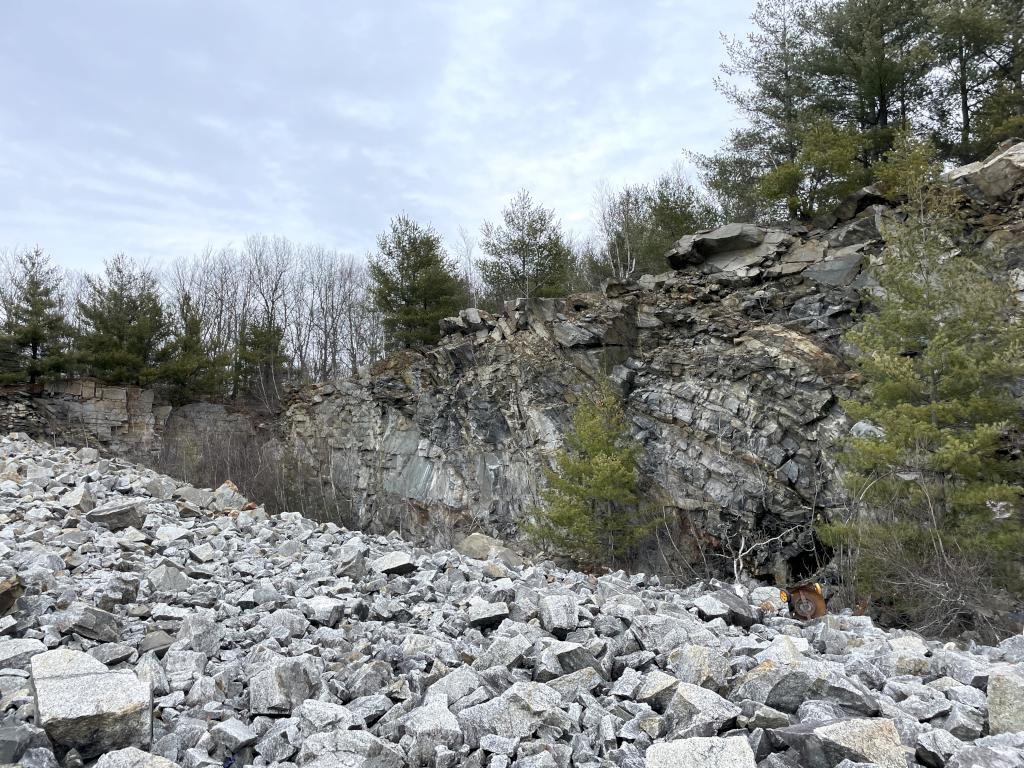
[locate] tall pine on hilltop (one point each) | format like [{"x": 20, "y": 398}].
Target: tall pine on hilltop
[
  {"x": 941, "y": 528},
  {"x": 34, "y": 338},
  {"x": 414, "y": 283}
]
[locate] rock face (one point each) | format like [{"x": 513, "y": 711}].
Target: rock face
[
  {"x": 287, "y": 643},
  {"x": 999, "y": 177},
  {"x": 123, "y": 420},
  {"x": 729, "y": 369},
  {"x": 729, "y": 365}
]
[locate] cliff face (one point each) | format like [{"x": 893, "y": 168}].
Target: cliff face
[
  {"x": 730, "y": 367},
  {"x": 122, "y": 420}
]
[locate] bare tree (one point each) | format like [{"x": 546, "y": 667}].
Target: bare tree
[{"x": 465, "y": 248}]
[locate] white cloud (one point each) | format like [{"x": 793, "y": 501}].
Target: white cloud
[{"x": 158, "y": 134}]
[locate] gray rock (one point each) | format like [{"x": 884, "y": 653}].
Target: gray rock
[
  {"x": 964, "y": 722},
  {"x": 726, "y": 605},
  {"x": 997, "y": 176},
  {"x": 117, "y": 515},
  {"x": 40, "y": 757},
  {"x": 283, "y": 685},
  {"x": 16, "y": 654},
  {"x": 349, "y": 748},
  {"x": 323, "y": 610},
  {"x": 79, "y": 498},
  {"x": 182, "y": 668},
  {"x": 487, "y": 614},
  {"x": 89, "y": 621},
  {"x": 432, "y": 726},
  {"x": 695, "y": 711},
  {"x": 168, "y": 577},
  {"x": 233, "y": 735},
  {"x": 695, "y": 249},
  {"x": 14, "y": 741},
  {"x": 1006, "y": 700},
  {"x": 559, "y": 614},
  {"x": 397, "y": 563},
  {"x": 131, "y": 757},
  {"x": 934, "y": 748},
  {"x": 80, "y": 704},
  {"x": 317, "y": 716},
  {"x": 701, "y": 753},
  {"x": 699, "y": 665},
  {"x": 986, "y": 757},
  {"x": 822, "y": 745},
  {"x": 200, "y": 632},
  {"x": 517, "y": 713}
]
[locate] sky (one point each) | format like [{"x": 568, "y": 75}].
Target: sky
[{"x": 159, "y": 128}]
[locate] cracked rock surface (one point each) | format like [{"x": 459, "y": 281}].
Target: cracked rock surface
[{"x": 206, "y": 634}]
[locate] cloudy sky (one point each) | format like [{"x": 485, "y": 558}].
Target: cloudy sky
[{"x": 156, "y": 128}]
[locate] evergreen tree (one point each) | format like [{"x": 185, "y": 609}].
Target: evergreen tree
[
  {"x": 869, "y": 63},
  {"x": 1001, "y": 113},
  {"x": 732, "y": 176},
  {"x": 261, "y": 361},
  {"x": 964, "y": 37},
  {"x": 825, "y": 85},
  {"x": 123, "y": 324},
  {"x": 527, "y": 254},
  {"x": 594, "y": 511},
  {"x": 191, "y": 372},
  {"x": 827, "y": 167},
  {"x": 766, "y": 80},
  {"x": 674, "y": 208},
  {"x": 35, "y": 333},
  {"x": 943, "y": 529},
  {"x": 414, "y": 284}
]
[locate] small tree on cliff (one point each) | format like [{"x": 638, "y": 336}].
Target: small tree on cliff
[
  {"x": 594, "y": 511},
  {"x": 35, "y": 334},
  {"x": 528, "y": 255},
  {"x": 940, "y": 480},
  {"x": 414, "y": 283}
]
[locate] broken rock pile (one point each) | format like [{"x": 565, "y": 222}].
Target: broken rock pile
[{"x": 146, "y": 623}]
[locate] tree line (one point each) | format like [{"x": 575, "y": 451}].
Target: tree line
[
  {"x": 527, "y": 253},
  {"x": 825, "y": 87},
  {"x": 241, "y": 322},
  {"x": 235, "y": 322}
]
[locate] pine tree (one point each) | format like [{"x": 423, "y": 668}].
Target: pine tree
[
  {"x": 261, "y": 361},
  {"x": 1001, "y": 113},
  {"x": 964, "y": 37},
  {"x": 675, "y": 207},
  {"x": 827, "y": 167},
  {"x": 868, "y": 63},
  {"x": 527, "y": 254},
  {"x": 191, "y": 371},
  {"x": 35, "y": 332},
  {"x": 414, "y": 283},
  {"x": 943, "y": 528},
  {"x": 594, "y": 511},
  {"x": 124, "y": 327}
]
